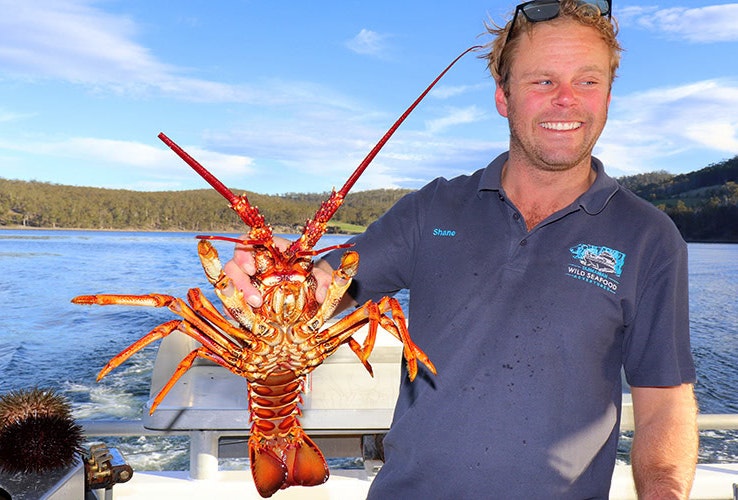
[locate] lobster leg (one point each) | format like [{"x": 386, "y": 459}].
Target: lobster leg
[
  {"x": 339, "y": 284},
  {"x": 105, "y": 299},
  {"x": 397, "y": 326},
  {"x": 193, "y": 325},
  {"x": 361, "y": 353},
  {"x": 174, "y": 304},
  {"x": 232, "y": 297},
  {"x": 182, "y": 367},
  {"x": 153, "y": 300},
  {"x": 157, "y": 333},
  {"x": 328, "y": 340},
  {"x": 203, "y": 307}
]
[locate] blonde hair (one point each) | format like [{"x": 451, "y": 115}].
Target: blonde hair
[{"x": 501, "y": 51}]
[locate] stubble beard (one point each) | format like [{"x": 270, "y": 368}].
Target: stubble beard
[{"x": 549, "y": 158}]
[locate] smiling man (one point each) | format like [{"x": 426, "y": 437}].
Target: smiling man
[
  {"x": 555, "y": 94},
  {"x": 533, "y": 282}
]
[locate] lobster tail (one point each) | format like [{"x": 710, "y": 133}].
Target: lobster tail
[
  {"x": 281, "y": 454},
  {"x": 298, "y": 463}
]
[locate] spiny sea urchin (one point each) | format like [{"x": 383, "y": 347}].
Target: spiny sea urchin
[{"x": 37, "y": 432}]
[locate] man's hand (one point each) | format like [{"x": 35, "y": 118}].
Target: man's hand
[{"x": 242, "y": 267}]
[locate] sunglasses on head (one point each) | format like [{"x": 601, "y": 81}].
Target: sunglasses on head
[{"x": 545, "y": 10}]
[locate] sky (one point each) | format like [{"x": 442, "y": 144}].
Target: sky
[{"x": 286, "y": 97}]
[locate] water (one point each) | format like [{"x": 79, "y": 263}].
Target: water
[{"x": 46, "y": 341}]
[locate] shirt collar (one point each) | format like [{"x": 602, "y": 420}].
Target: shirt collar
[{"x": 593, "y": 201}]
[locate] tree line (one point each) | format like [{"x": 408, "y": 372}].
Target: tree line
[
  {"x": 703, "y": 204},
  {"x": 44, "y": 205}
]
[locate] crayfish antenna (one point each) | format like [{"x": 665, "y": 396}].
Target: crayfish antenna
[
  {"x": 315, "y": 228},
  {"x": 248, "y": 213}
]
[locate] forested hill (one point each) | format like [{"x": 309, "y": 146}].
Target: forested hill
[
  {"x": 703, "y": 204},
  {"x": 44, "y": 205}
]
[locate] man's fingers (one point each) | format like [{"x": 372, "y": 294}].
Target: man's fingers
[{"x": 242, "y": 281}]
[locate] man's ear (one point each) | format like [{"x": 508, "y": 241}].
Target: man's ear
[{"x": 500, "y": 100}]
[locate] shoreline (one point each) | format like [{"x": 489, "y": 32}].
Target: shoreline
[{"x": 276, "y": 230}]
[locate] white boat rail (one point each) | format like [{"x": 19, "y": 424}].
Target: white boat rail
[{"x": 204, "y": 444}]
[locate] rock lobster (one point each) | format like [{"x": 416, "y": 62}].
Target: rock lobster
[{"x": 277, "y": 344}]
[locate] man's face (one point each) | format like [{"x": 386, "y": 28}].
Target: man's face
[{"x": 559, "y": 92}]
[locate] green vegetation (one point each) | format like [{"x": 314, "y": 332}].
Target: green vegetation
[
  {"x": 44, "y": 205},
  {"x": 703, "y": 204}
]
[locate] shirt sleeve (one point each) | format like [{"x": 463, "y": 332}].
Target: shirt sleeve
[
  {"x": 386, "y": 250},
  {"x": 657, "y": 351}
]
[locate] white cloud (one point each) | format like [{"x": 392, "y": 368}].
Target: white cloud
[
  {"x": 368, "y": 42},
  {"x": 712, "y": 23},
  {"x": 456, "y": 116},
  {"x": 222, "y": 164},
  {"x": 93, "y": 149},
  {"x": 104, "y": 153},
  {"x": 11, "y": 116},
  {"x": 74, "y": 41},
  {"x": 323, "y": 152},
  {"x": 448, "y": 91},
  {"x": 71, "y": 40},
  {"x": 648, "y": 126}
]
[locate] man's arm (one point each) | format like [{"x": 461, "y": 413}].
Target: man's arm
[{"x": 665, "y": 443}]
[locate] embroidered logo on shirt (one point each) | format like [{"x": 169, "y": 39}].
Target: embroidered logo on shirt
[
  {"x": 598, "y": 265},
  {"x": 448, "y": 233}
]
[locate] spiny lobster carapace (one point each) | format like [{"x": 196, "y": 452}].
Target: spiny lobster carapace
[{"x": 277, "y": 344}]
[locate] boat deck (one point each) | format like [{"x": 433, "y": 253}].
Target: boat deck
[{"x": 713, "y": 481}]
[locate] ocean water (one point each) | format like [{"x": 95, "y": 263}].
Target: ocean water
[{"x": 45, "y": 341}]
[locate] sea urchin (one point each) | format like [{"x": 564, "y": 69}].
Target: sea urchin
[{"x": 37, "y": 432}]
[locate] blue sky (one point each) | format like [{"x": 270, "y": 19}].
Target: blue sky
[{"x": 278, "y": 97}]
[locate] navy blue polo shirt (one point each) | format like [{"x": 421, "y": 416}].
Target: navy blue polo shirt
[{"x": 528, "y": 330}]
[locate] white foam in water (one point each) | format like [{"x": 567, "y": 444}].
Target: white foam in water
[
  {"x": 105, "y": 402},
  {"x": 156, "y": 453}
]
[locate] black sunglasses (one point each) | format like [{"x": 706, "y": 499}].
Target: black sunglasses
[{"x": 545, "y": 10}]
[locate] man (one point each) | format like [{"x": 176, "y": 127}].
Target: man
[{"x": 532, "y": 283}]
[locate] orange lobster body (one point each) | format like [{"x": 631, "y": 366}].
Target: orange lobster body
[{"x": 277, "y": 344}]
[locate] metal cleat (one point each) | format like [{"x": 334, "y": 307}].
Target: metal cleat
[{"x": 105, "y": 467}]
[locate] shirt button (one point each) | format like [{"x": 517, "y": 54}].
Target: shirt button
[
  {"x": 516, "y": 216},
  {"x": 523, "y": 243}
]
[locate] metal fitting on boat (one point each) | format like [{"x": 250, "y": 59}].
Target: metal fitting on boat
[{"x": 105, "y": 467}]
